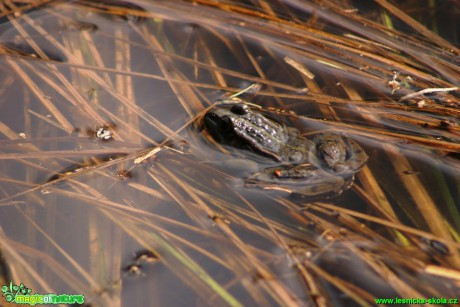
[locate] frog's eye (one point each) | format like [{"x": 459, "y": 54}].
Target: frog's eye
[{"x": 240, "y": 109}]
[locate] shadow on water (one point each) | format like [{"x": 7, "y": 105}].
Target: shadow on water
[{"x": 111, "y": 188}]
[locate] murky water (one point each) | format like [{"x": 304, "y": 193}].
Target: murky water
[{"x": 103, "y": 155}]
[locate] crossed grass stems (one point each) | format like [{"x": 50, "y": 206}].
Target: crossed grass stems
[{"x": 372, "y": 53}]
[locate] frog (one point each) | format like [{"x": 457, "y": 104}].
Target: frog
[{"x": 320, "y": 165}]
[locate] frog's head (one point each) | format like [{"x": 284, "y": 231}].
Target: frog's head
[
  {"x": 239, "y": 127},
  {"x": 221, "y": 123}
]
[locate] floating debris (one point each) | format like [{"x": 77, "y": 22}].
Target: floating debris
[
  {"x": 25, "y": 50},
  {"x": 103, "y": 133},
  {"x": 427, "y": 91}
]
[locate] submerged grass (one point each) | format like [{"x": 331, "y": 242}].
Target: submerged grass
[{"x": 152, "y": 69}]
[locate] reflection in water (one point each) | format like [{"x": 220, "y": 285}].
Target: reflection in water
[{"x": 146, "y": 177}]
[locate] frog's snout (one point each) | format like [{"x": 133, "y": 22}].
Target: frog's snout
[{"x": 218, "y": 127}]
